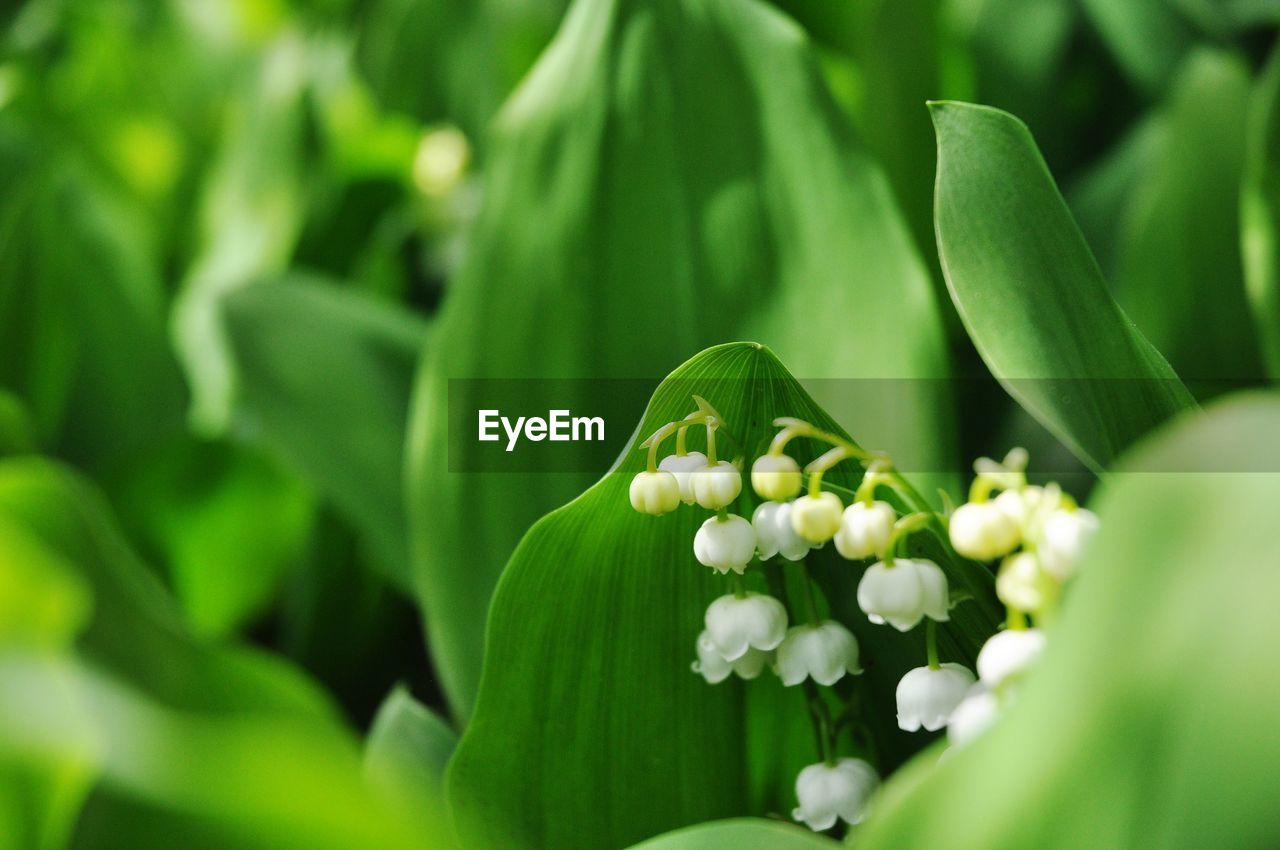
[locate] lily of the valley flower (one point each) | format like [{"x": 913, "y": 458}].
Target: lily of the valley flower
[
  {"x": 830, "y": 792},
  {"x": 776, "y": 477},
  {"x": 737, "y": 624},
  {"x": 725, "y": 543},
  {"x": 865, "y": 530},
  {"x": 816, "y": 518},
  {"x": 682, "y": 467},
  {"x": 1063, "y": 538},
  {"x": 774, "y": 534},
  {"x": 983, "y": 531},
  {"x": 905, "y": 593},
  {"x": 1008, "y": 654},
  {"x": 713, "y": 667},
  {"x": 1023, "y": 584},
  {"x": 715, "y": 487},
  {"x": 927, "y": 696},
  {"x": 972, "y": 716},
  {"x": 655, "y": 493},
  {"x": 824, "y": 652}
]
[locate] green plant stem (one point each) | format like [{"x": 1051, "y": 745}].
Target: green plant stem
[
  {"x": 811, "y": 599},
  {"x": 931, "y": 642},
  {"x": 824, "y": 730}
]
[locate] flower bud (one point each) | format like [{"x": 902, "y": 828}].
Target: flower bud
[
  {"x": 1020, "y": 505},
  {"x": 1022, "y": 584},
  {"x": 681, "y": 466},
  {"x": 737, "y": 624},
  {"x": 824, "y": 653},
  {"x": 926, "y": 697},
  {"x": 903, "y": 594},
  {"x": 972, "y": 716},
  {"x": 817, "y": 518},
  {"x": 725, "y": 543},
  {"x": 776, "y": 477},
  {"x": 655, "y": 493},
  {"x": 827, "y": 792},
  {"x": 712, "y": 666},
  {"x": 1063, "y": 538},
  {"x": 1006, "y": 655},
  {"x": 715, "y": 487},
  {"x": 865, "y": 530},
  {"x": 774, "y": 534},
  {"x": 982, "y": 531}
]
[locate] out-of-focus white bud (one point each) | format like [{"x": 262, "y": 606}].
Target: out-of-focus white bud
[
  {"x": 713, "y": 667},
  {"x": 981, "y": 530},
  {"x": 1023, "y": 584},
  {"x": 865, "y": 530},
  {"x": 817, "y": 518},
  {"x": 926, "y": 697},
  {"x": 972, "y": 716},
  {"x": 1020, "y": 505},
  {"x": 655, "y": 493},
  {"x": 725, "y": 543},
  {"x": 739, "y": 623},
  {"x": 776, "y": 477},
  {"x": 903, "y": 594},
  {"x": 830, "y": 792},
  {"x": 1006, "y": 655},
  {"x": 824, "y": 653},
  {"x": 682, "y": 467},
  {"x": 715, "y": 487},
  {"x": 774, "y": 534},
  {"x": 1062, "y": 540}
]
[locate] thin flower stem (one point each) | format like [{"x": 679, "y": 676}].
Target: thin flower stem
[
  {"x": 681, "y": 451},
  {"x": 931, "y": 642},
  {"x": 811, "y": 598},
  {"x": 739, "y": 585},
  {"x": 824, "y": 730}
]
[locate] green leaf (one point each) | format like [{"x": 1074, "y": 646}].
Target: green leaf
[
  {"x": 1149, "y": 720},
  {"x": 1148, "y": 37},
  {"x": 600, "y": 595},
  {"x": 405, "y": 756},
  {"x": 1180, "y": 236},
  {"x": 669, "y": 176},
  {"x": 1031, "y": 294},
  {"x": 290, "y": 339},
  {"x": 741, "y": 834},
  {"x": 1260, "y": 212}
]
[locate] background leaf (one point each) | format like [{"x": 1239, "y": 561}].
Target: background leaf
[
  {"x": 621, "y": 232},
  {"x": 594, "y": 623},
  {"x": 1152, "y": 670},
  {"x": 743, "y": 833},
  {"x": 1031, "y": 294},
  {"x": 1260, "y": 212},
  {"x": 405, "y": 757}
]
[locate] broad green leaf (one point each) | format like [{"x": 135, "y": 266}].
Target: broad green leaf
[
  {"x": 405, "y": 756},
  {"x": 1260, "y": 213},
  {"x": 290, "y": 339},
  {"x": 1148, "y": 37},
  {"x": 741, "y": 834},
  {"x": 1149, "y": 720},
  {"x": 17, "y": 435},
  {"x": 669, "y": 176},
  {"x": 225, "y": 522},
  {"x": 1178, "y": 272},
  {"x": 1031, "y": 294},
  {"x": 612, "y": 738}
]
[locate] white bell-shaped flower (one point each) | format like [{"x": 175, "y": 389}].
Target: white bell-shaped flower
[
  {"x": 682, "y": 467},
  {"x": 776, "y": 477},
  {"x": 725, "y": 543},
  {"x": 926, "y": 697},
  {"x": 713, "y": 667},
  {"x": 1008, "y": 654},
  {"x": 774, "y": 534},
  {"x": 817, "y": 518},
  {"x": 824, "y": 653},
  {"x": 1020, "y": 504},
  {"x": 904, "y": 593},
  {"x": 977, "y": 711},
  {"x": 981, "y": 530},
  {"x": 715, "y": 487},
  {"x": 655, "y": 493},
  {"x": 1023, "y": 584},
  {"x": 830, "y": 792},
  {"x": 738, "y": 624},
  {"x": 865, "y": 530},
  {"x": 1063, "y": 538}
]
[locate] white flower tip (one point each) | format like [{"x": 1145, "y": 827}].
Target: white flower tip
[
  {"x": 776, "y": 477},
  {"x": 654, "y": 493}
]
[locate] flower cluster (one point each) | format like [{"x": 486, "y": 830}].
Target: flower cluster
[{"x": 1037, "y": 532}]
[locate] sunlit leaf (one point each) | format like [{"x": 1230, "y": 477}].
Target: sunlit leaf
[
  {"x": 1149, "y": 719},
  {"x": 1031, "y": 294},
  {"x": 741, "y": 834},
  {"x": 406, "y": 754}
]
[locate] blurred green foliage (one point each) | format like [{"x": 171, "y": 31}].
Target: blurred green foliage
[{"x": 245, "y": 246}]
